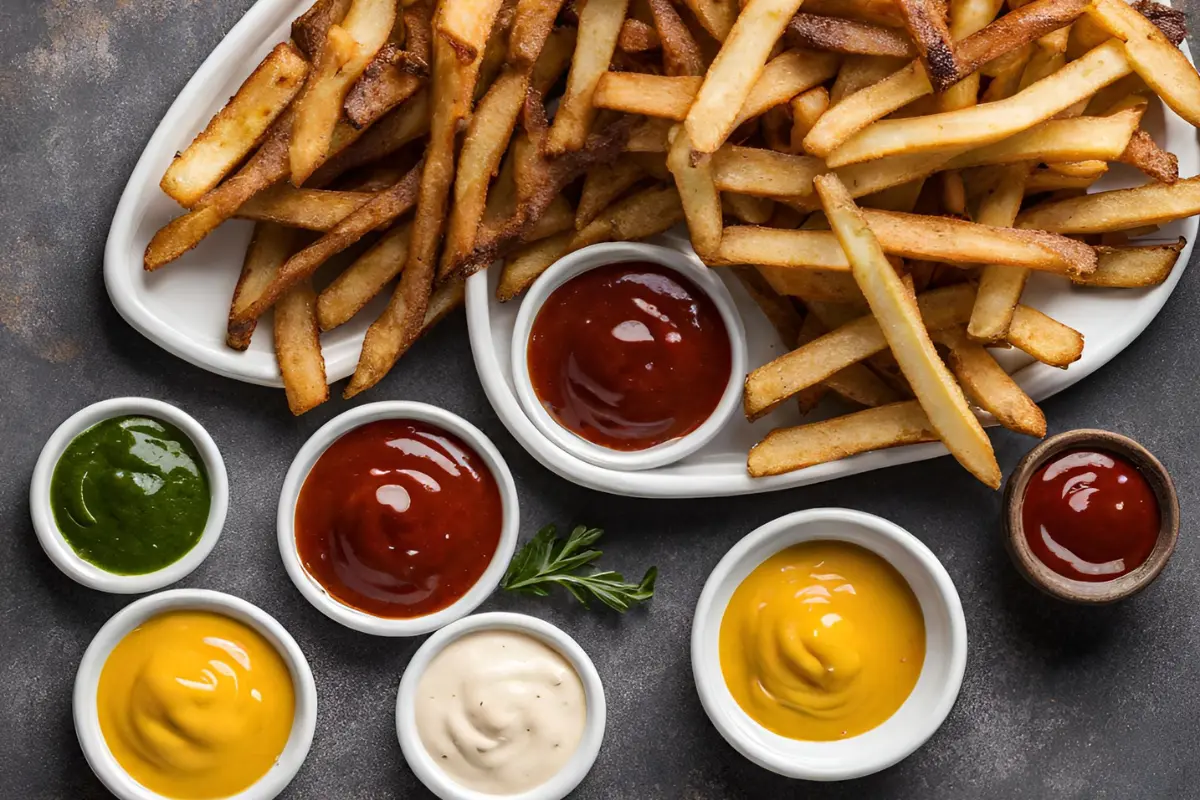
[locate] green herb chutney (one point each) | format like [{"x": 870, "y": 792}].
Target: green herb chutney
[{"x": 131, "y": 495}]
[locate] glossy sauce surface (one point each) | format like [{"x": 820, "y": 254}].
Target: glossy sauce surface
[
  {"x": 629, "y": 355},
  {"x": 822, "y": 641},
  {"x": 398, "y": 518},
  {"x": 194, "y": 704},
  {"x": 1090, "y": 515}
]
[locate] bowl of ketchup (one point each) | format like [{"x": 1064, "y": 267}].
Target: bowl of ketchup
[
  {"x": 1091, "y": 516},
  {"x": 629, "y": 356},
  {"x": 397, "y": 518}
]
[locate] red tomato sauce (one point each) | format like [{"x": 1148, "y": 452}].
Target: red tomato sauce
[
  {"x": 629, "y": 355},
  {"x": 1090, "y": 515},
  {"x": 398, "y": 518}
]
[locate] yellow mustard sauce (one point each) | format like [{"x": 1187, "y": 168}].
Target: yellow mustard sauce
[
  {"x": 195, "y": 705},
  {"x": 822, "y": 641}
]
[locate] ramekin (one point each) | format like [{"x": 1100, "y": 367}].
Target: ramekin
[
  {"x": 581, "y": 761},
  {"x": 56, "y": 545},
  {"x": 920, "y": 715},
  {"x": 598, "y": 255},
  {"x": 339, "y": 426},
  {"x": 87, "y": 679}
]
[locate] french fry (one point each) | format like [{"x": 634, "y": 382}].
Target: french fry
[
  {"x": 393, "y": 131},
  {"x": 298, "y": 349},
  {"x": 865, "y": 106},
  {"x": 807, "y": 108},
  {"x": 715, "y": 16},
  {"x": 557, "y": 218},
  {"x": 855, "y": 383},
  {"x": 495, "y": 50},
  {"x": 1059, "y": 140},
  {"x": 637, "y": 37},
  {"x": 967, "y": 17},
  {"x": 446, "y": 299},
  {"x": 1044, "y": 338},
  {"x": 698, "y": 193},
  {"x": 349, "y": 48},
  {"x": 988, "y": 385},
  {"x": 1143, "y": 153},
  {"x": 311, "y": 209},
  {"x": 848, "y": 36},
  {"x": 238, "y": 127},
  {"x": 896, "y": 198},
  {"x": 642, "y": 214},
  {"x": 599, "y": 25},
  {"x": 532, "y": 24},
  {"x": 1133, "y": 267},
  {"x": 652, "y": 95},
  {"x": 604, "y": 185},
  {"x": 927, "y": 25},
  {"x": 394, "y": 75},
  {"x": 877, "y": 12},
  {"x": 858, "y": 72},
  {"x": 650, "y": 136},
  {"x": 764, "y": 173},
  {"x": 1006, "y": 79},
  {"x": 466, "y": 26},
  {"x": 1047, "y": 180},
  {"x": 813, "y": 284},
  {"x": 902, "y": 325},
  {"x": 1078, "y": 169},
  {"x": 1152, "y": 204},
  {"x": 855, "y": 341},
  {"x": 734, "y": 72},
  {"x": 270, "y": 246},
  {"x": 785, "y": 76},
  {"x": 1160, "y": 64},
  {"x": 1011, "y": 32},
  {"x": 747, "y": 208},
  {"x": 789, "y": 449},
  {"x": 681, "y": 53},
  {"x": 359, "y": 283},
  {"x": 524, "y": 266},
  {"x": 310, "y": 30},
  {"x": 777, "y": 308},
  {"x": 990, "y": 122},
  {"x": 1000, "y": 286}
]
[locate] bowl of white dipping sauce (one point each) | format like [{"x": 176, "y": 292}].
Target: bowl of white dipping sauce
[{"x": 500, "y": 705}]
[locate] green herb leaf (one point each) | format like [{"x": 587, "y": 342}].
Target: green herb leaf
[{"x": 548, "y": 561}]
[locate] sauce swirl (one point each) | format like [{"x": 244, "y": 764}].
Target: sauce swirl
[
  {"x": 398, "y": 518},
  {"x": 629, "y": 355}
]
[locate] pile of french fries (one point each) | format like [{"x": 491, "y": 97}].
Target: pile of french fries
[{"x": 882, "y": 175}]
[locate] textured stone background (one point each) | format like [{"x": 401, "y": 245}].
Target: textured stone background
[{"x": 1057, "y": 702}]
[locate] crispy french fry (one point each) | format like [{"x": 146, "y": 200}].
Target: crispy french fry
[
  {"x": 524, "y": 266},
  {"x": 734, "y": 72},
  {"x": 652, "y": 95},
  {"x": 855, "y": 383},
  {"x": 927, "y": 25},
  {"x": 349, "y": 48},
  {"x": 1012, "y": 31},
  {"x": 298, "y": 349},
  {"x": 1160, "y": 64},
  {"x": 1059, "y": 140},
  {"x": 395, "y": 129},
  {"x": 1133, "y": 267},
  {"x": 270, "y": 246},
  {"x": 858, "y": 72},
  {"x": 967, "y": 17},
  {"x": 988, "y": 385},
  {"x": 990, "y": 122},
  {"x": 311, "y": 209},
  {"x": 446, "y": 299},
  {"x": 1152, "y": 204},
  {"x": 650, "y": 136},
  {"x": 848, "y": 36},
  {"x": 1143, "y": 153},
  {"x": 813, "y": 284},
  {"x": 764, "y": 173},
  {"x": 466, "y": 26},
  {"x": 1044, "y": 338},
  {"x": 807, "y": 108},
  {"x": 238, "y": 127},
  {"x": 394, "y": 75},
  {"x": 359, "y": 283},
  {"x": 532, "y": 24},
  {"x": 637, "y": 37},
  {"x": 558, "y": 217},
  {"x": 715, "y": 16},
  {"x": 599, "y": 25},
  {"x": 785, "y": 76},
  {"x": 789, "y": 449},
  {"x": 681, "y": 53},
  {"x": 1000, "y": 286},
  {"x": 1047, "y": 180},
  {"x": 865, "y": 106},
  {"x": 642, "y": 214},
  {"x": 877, "y": 12},
  {"x": 902, "y": 325},
  {"x": 701, "y": 201},
  {"x": 896, "y": 198},
  {"x": 604, "y": 185},
  {"x": 310, "y": 30},
  {"x": 747, "y": 208}
]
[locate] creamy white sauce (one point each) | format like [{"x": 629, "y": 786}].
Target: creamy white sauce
[{"x": 500, "y": 712}]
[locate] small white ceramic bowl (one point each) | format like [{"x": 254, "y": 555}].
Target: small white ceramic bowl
[
  {"x": 920, "y": 715},
  {"x": 87, "y": 679},
  {"x": 598, "y": 255},
  {"x": 312, "y": 450},
  {"x": 576, "y": 768},
  {"x": 56, "y": 545}
]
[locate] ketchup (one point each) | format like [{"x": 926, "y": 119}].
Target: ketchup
[
  {"x": 398, "y": 518},
  {"x": 629, "y": 355},
  {"x": 1090, "y": 515}
]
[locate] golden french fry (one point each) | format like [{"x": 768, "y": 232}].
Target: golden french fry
[
  {"x": 855, "y": 383},
  {"x": 466, "y": 25},
  {"x": 1000, "y": 286},
  {"x": 310, "y": 30},
  {"x": 395, "y": 129},
  {"x": 876, "y": 12},
  {"x": 858, "y": 72},
  {"x": 642, "y": 214},
  {"x": 865, "y": 106},
  {"x": 1133, "y": 267},
  {"x": 747, "y": 208},
  {"x": 652, "y": 95},
  {"x": 813, "y": 284},
  {"x": 394, "y": 75},
  {"x": 524, "y": 266},
  {"x": 790, "y": 449},
  {"x": 715, "y": 16},
  {"x": 359, "y": 283},
  {"x": 637, "y": 37},
  {"x": 1044, "y": 338},
  {"x": 311, "y": 209},
  {"x": 734, "y": 72},
  {"x": 1152, "y": 204},
  {"x": 599, "y": 25},
  {"x": 298, "y": 349},
  {"x": 270, "y": 247},
  {"x": 603, "y": 185},
  {"x": 785, "y": 76},
  {"x": 558, "y": 217},
  {"x": 698, "y": 193},
  {"x": 532, "y": 24},
  {"x": 681, "y": 53},
  {"x": 1143, "y": 153},
  {"x": 1012, "y": 32},
  {"x": 902, "y": 326},
  {"x": 1044, "y": 179},
  {"x": 927, "y": 25},
  {"x": 807, "y": 108},
  {"x": 849, "y": 36},
  {"x": 1059, "y": 140},
  {"x": 764, "y": 173},
  {"x": 988, "y": 385}
]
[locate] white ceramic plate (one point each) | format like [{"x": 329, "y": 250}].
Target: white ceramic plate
[{"x": 184, "y": 307}]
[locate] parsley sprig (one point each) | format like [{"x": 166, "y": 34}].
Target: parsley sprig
[{"x": 547, "y": 560}]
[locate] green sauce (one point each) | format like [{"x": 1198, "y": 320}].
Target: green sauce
[{"x": 131, "y": 495}]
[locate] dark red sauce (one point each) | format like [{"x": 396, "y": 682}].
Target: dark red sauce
[
  {"x": 1090, "y": 515},
  {"x": 398, "y": 518},
  {"x": 629, "y": 355}
]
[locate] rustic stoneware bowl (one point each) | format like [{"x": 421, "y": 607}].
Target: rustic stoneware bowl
[{"x": 1067, "y": 589}]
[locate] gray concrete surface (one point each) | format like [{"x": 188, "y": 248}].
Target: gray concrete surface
[{"x": 1058, "y": 702}]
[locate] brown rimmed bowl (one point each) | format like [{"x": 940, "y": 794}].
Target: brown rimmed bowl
[{"x": 1059, "y": 586}]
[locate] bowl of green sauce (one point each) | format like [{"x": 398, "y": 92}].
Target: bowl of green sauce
[{"x": 129, "y": 495}]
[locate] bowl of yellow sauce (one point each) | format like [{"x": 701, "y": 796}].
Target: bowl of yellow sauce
[
  {"x": 828, "y": 644},
  {"x": 194, "y": 695}
]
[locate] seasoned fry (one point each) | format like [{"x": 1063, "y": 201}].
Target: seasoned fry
[
  {"x": 603, "y": 185},
  {"x": 865, "y": 106},
  {"x": 807, "y": 108},
  {"x": 311, "y": 29},
  {"x": 855, "y": 383},
  {"x": 466, "y": 25},
  {"x": 1012, "y": 31},
  {"x": 1133, "y": 267},
  {"x": 1000, "y": 286},
  {"x": 701, "y": 201},
  {"x": 558, "y": 217},
  {"x": 877, "y": 12},
  {"x": 764, "y": 173},
  {"x": 848, "y": 36},
  {"x": 643, "y": 214},
  {"x": 747, "y": 208},
  {"x": 858, "y": 72},
  {"x": 1169, "y": 20},
  {"x": 1160, "y": 64},
  {"x": 298, "y": 349},
  {"x": 394, "y": 75},
  {"x": 681, "y": 54},
  {"x": 358, "y": 284},
  {"x": 397, "y": 128},
  {"x": 1046, "y": 339},
  {"x": 446, "y": 299},
  {"x": 927, "y": 25},
  {"x": 524, "y": 266},
  {"x": 1143, "y": 153},
  {"x": 989, "y": 122},
  {"x": 715, "y": 16},
  {"x": 349, "y": 48},
  {"x": 532, "y": 24},
  {"x": 637, "y": 37},
  {"x": 988, "y": 385},
  {"x": 238, "y": 127},
  {"x": 734, "y": 72},
  {"x": 1152, "y": 204},
  {"x": 789, "y": 449},
  {"x": 1059, "y": 140},
  {"x": 311, "y": 209},
  {"x": 813, "y": 284},
  {"x": 652, "y": 95},
  {"x": 599, "y": 25},
  {"x": 785, "y": 76},
  {"x": 270, "y": 246},
  {"x": 901, "y": 324}
]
